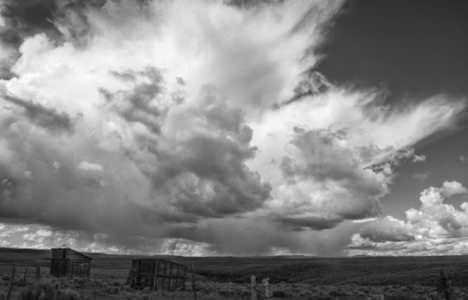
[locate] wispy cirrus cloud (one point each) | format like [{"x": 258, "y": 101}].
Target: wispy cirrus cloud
[{"x": 422, "y": 176}]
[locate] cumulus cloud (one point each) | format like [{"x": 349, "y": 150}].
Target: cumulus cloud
[
  {"x": 434, "y": 228},
  {"x": 386, "y": 229},
  {"x": 450, "y": 188},
  {"x": 325, "y": 161},
  {"x": 197, "y": 126},
  {"x": 436, "y": 218}
]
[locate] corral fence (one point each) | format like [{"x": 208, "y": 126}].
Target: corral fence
[
  {"x": 156, "y": 274},
  {"x": 66, "y": 267},
  {"x": 19, "y": 275},
  {"x": 67, "y": 262},
  {"x": 263, "y": 291}
]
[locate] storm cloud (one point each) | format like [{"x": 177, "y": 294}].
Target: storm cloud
[
  {"x": 193, "y": 127},
  {"x": 42, "y": 116}
]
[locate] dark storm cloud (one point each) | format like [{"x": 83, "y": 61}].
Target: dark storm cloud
[
  {"x": 311, "y": 84},
  {"x": 157, "y": 158},
  {"x": 26, "y": 18},
  {"x": 326, "y": 158},
  {"x": 42, "y": 116},
  {"x": 386, "y": 235},
  {"x": 315, "y": 223},
  {"x": 72, "y": 14},
  {"x": 22, "y": 19},
  {"x": 40, "y": 184},
  {"x": 170, "y": 176},
  {"x": 219, "y": 163},
  {"x": 141, "y": 103},
  {"x": 205, "y": 173},
  {"x": 247, "y": 236},
  {"x": 29, "y": 17},
  {"x": 450, "y": 224},
  {"x": 252, "y": 3}
]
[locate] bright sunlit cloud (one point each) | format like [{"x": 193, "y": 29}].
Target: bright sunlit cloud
[{"x": 199, "y": 128}]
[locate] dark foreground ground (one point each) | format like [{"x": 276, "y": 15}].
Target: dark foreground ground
[{"x": 229, "y": 277}]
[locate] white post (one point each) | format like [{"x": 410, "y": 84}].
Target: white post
[
  {"x": 253, "y": 289},
  {"x": 266, "y": 288}
]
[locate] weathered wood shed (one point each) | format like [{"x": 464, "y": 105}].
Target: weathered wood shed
[
  {"x": 156, "y": 274},
  {"x": 68, "y": 262}
]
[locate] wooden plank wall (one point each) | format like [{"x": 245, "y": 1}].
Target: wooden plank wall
[
  {"x": 157, "y": 274},
  {"x": 66, "y": 267}
]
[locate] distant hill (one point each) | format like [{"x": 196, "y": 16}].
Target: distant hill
[
  {"x": 358, "y": 270},
  {"x": 22, "y": 250}
]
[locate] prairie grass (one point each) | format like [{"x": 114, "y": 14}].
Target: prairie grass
[
  {"x": 47, "y": 291},
  {"x": 229, "y": 278},
  {"x": 102, "y": 288}
]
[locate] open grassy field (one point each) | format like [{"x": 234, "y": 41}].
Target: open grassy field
[{"x": 229, "y": 277}]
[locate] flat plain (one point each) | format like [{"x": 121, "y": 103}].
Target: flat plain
[{"x": 291, "y": 277}]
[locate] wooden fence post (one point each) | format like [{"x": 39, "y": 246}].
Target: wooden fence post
[
  {"x": 163, "y": 281},
  {"x": 253, "y": 290},
  {"x": 147, "y": 273},
  {"x": 10, "y": 287},
  {"x": 446, "y": 285},
  {"x": 177, "y": 276},
  {"x": 169, "y": 288},
  {"x": 151, "y": 278},
  {"x": 185, "y": 276},
  {"x": 266, "y": 288},
  {"x": 156, "y": 277},
  {"x": 38, "y": 271},
  {"x": 131, "y": 277},
  {"x": 193, "y": 284},
  {"x": 25, "y": 273}
]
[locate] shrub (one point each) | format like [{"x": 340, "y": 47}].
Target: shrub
[
  {"x": 47, "y": 290},
  {"x": 80, "y": 281},
  {"x": 280, "y": 294},
  {"x": 227, "y": 293},
  {"x": 243, "y": 293},
  {"x": 112, "y": 290}
]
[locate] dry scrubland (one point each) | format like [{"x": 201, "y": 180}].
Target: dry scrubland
[{"x": 229, "y": 277}]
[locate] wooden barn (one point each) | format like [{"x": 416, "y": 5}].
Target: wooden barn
[
  {"x": 68, "y": 262},
  {"x": 157, "y": 274}
]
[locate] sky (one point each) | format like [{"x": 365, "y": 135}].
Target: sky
[{"x": 328, "y": 128}]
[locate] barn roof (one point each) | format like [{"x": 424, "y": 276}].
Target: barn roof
[{"x": 74, "y": 251}]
